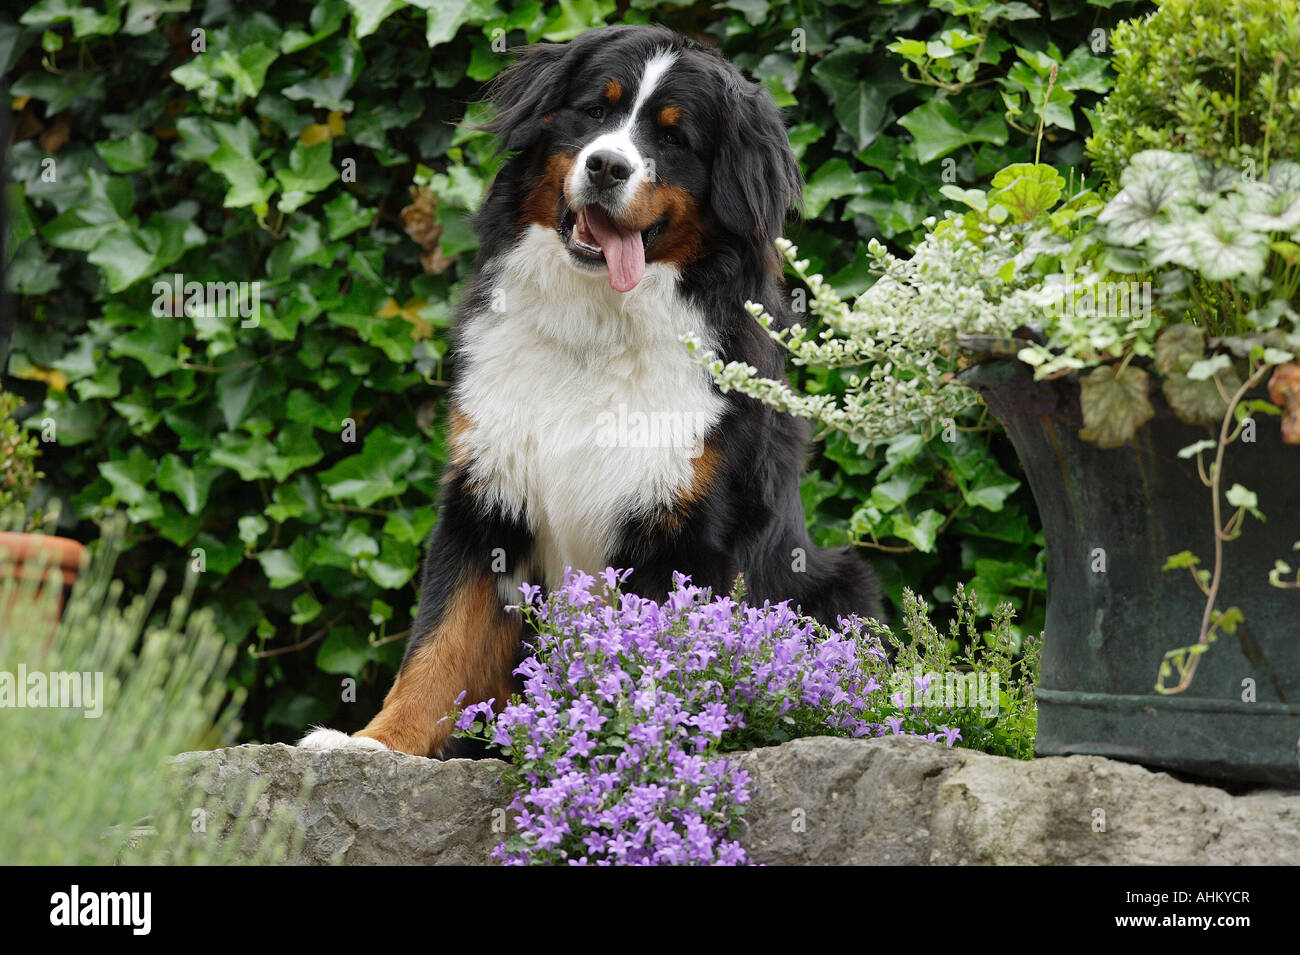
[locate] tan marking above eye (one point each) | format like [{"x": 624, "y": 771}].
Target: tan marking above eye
[
  {"x": 670, "y": 116},
  {"x": 613, "y": 91}
]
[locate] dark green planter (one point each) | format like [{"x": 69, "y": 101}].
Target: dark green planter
[{"x": 1108, "y": 631}]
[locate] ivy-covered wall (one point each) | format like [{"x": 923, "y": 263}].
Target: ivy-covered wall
[{"x": 319, "y": 159}]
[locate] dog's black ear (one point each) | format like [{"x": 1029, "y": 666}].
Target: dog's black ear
[
  {"x": 756, "y": 178},
  {"x": 525, "y": 92}
]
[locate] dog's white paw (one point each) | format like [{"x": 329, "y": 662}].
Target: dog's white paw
[{"x": 322, "y": 738}]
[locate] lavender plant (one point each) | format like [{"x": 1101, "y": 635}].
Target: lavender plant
[
  {"x": 617, "y": 746},
  {"x": 110, "y": 694}
]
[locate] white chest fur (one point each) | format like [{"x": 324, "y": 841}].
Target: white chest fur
[{"x": 583, "y": 408}]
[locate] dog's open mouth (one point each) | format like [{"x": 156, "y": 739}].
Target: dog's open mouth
[{"x": 596, "y": 240}]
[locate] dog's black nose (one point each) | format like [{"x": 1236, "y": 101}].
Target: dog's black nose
[{"x": 607, "y": 168}]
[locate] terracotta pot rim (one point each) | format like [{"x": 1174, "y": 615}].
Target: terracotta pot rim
[{"x": 63, "y": 552}]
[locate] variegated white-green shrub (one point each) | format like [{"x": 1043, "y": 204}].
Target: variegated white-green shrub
[{"x": 897, "y": 343}]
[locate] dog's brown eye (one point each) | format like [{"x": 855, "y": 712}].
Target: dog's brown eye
[
  {"x": 596, "y": 112},
  {"x": 672, "y": 138}
]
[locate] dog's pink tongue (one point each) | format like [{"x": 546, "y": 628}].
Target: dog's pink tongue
[{"x": 624, "y": 253}]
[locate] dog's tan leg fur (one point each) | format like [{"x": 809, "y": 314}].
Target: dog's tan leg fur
[{"x": 473, "y": 648}]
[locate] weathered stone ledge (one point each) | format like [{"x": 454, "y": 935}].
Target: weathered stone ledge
[{"x": 894, "y": 801}]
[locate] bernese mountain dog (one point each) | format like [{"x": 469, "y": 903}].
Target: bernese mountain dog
[{"x": 645, "y": 184}]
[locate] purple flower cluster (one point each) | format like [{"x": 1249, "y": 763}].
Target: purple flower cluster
[{"x": 628, "y": 702}]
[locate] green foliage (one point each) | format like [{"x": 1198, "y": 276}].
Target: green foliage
[
  {"x": 1200, "y": 76},
  {"x": 287, "y": 438},
  {"x": 966, "y": 649},
  {"x": 18, "y": 451},
  {"x": 88, "y": 784},
  {"x": 918, "y": 688}
]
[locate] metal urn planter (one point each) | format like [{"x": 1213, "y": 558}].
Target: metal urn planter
[{"x": 1111, "y": 519}]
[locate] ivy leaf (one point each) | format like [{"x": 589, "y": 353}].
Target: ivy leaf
[
  {"x": 342, "y": 652},
  {"x": 571, "y": 17},
  {"x": 834, "y": 180},
  {"x": 1229, "y": 619},
  {"x": 889, "y": 494},
  {"x": 1182, "y": 560},
  {"x": 234, "y": 160},
  {"x": 155, "y": 345},
  {"x": 287, "y": 501},
  {"x": 130, "y": 476},
  {"x": 1114, "y": 406},
  {"x": 59, "y": 92},
  {"x": 325, "y": 20},
  {"x": 241, "y": 390},
  {"x": 990, "y": 489},
  {"x": 128, "y": 155},
  {"x": 102, "y": 209},
  {"x": 344, "y": 215},
  {"x": 920, "y": 533},
  {"x": 368, "y": 14},
  {"x": 306, "y": 608},
  {"x": 395, "y": 565},
  {"x": 340, "y": 64},
  {"x": 284, "y": 567},
  {"x": 124, "y": 257},
  {"x": 310, "y": 171},
  {"x": 245, "y": 454},
  {"x": 859, "y": 86},
  {"x": 446, "y": 17},
  {"x": 190, "y": 485},
  {"x": 247, "y": 67},
  {"x": 411, "y": 525},
  {"x": 1084, "y": 71},
  {"x": 251, "y": 527},
  {"x": 937, "y": 130},
  {"x": 376, "y": 473},
  {"x": 295, "y": 448}
]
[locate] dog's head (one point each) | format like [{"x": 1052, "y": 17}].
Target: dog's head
[{"x": 644, "y": 147}]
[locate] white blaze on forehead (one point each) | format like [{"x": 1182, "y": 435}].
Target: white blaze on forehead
[
  {"x": 654, "y": 71},
  {"x": 620, "y": 140}
]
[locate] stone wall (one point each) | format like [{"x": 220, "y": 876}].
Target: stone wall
[{"x": 824, "y": 801}]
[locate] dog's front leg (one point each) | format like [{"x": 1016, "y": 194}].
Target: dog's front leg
[
  {"x": 472, "y": 648},
  {"x": 463, "y": 639}
]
